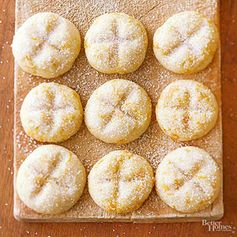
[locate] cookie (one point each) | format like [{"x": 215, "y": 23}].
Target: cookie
[
  {"x": 121, "y": 181},
  {"x": 186, "y": 42},
  {"x": 119, "y": 111},
  {"x": 50, "y": 180},
  {"x": 46, "y": 45},
  {"x": 116, "y": 43},
  {"x": 51, "y": 112},
  {"x": 186, "y": 110},
  {"x": 188, "y": 179}
]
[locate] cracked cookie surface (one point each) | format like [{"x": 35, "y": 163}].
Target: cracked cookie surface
[
  {"x": 121, "y": 181},
  {"x": 50, "y": 180},
  {"x": 51, "y": 112},
  {"x": 188, "y": 179},
  {"x": 46, "y": 45},
  {"x": 186, "y": 110},
  {"x": 119, "y": 111},
  {"x": 186, "y": 42},
  {"x": 116, "y": 43}
]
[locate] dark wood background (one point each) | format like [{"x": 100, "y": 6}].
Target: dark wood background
[{"x": 10, "y": 227}]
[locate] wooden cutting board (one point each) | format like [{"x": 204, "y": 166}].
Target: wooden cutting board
[{"x": 154, "y": 144}]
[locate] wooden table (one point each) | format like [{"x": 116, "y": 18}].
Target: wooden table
[{"x": 10, "y": 227}]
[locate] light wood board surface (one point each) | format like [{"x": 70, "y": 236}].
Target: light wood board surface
[{"x": 151, "y": 76}]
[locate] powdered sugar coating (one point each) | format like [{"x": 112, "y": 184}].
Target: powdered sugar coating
[
  {"x": 186, "y": 110},
  {"x": 116, "y": 43},
  {"x": 51, "y": 179},
  {"x": 188, "y": 179},
  {"x": 51, "y": 112},
  {"x": 46, "y": 45},
  {"x": 186, "y": 42},
  {"x": 121, "y": 181},
  {"x": 119, "y": 111}
]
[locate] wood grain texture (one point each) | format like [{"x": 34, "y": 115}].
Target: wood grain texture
[
  {"x": 154, "y": 144},
  {"x": 10, "y": 227}
]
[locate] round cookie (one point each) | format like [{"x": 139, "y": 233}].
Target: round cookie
[
  {"x": 119, "y": 111},
  {"x": 116, "y": 43},
  {"x": 188, "y": 179},
  {"x": 121, "y": 181},
  {"x": 51, "y": 112},
  {"x": 186, "y": 42},
  {"x": 50, "y": 180},
  {"x": 46, "y": 45},
  {"x": 186, "y": 110}
]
